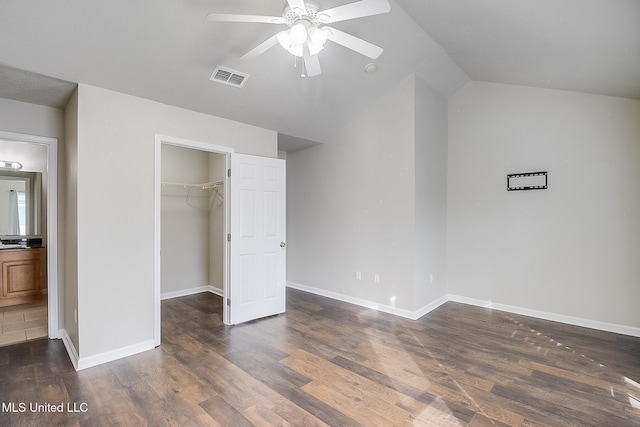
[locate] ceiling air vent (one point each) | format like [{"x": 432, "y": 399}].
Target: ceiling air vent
[{"x": 229, "y": 77}]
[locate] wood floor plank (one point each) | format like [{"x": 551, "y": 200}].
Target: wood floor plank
[
  {"x": 223, "y": 413},
  {"x": 327, "y": 363},
  {"x": 365, "y": 409},
  {"x": 343, "y": 380},
  {"x": 262, "y": 416}
]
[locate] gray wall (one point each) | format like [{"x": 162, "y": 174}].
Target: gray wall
[
  {"x": 116, "y": 207},
  {"x": 430, "y": 278},
  {"x": 572, "y": 249},
  {"x": 354, "y": 202},
  {"x": 68, "y": 163}
]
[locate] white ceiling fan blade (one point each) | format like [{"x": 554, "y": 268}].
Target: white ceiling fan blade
[
  {"x": 297, "y": 6},
  {"x": 311, "y": 64},
  {"x": 231, "y": 17},
  {"x": 354, "y": 10},
  {"x": 354, "y": 43},
  {"x": 261, "y": 48}
]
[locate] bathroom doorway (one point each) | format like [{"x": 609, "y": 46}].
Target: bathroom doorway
[{"x": 31, "y": 254}]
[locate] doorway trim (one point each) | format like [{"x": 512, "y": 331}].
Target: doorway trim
[
  {"x": 197, "y": 145},
  {"x": 52, "y": 222}
]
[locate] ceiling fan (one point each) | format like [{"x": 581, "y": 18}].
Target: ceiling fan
[{"x": 308, "y": 32}]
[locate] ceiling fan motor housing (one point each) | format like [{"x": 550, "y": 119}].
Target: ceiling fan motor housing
[{"x": 311, "y": 15}]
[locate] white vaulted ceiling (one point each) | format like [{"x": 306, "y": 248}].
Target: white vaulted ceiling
[
  {"x": 590, "y": 46},
  {"x": 166, "y": 50}
]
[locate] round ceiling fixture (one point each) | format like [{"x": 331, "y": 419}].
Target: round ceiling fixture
[{"x": 371, "y": 68}]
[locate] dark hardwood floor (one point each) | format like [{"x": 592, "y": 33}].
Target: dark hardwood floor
[{"x": 330, "y": 363}]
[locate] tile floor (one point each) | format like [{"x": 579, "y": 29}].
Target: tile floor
[{"x": 23, "y": 322}]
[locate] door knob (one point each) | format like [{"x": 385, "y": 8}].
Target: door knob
[{"x": 283, "y": 244}]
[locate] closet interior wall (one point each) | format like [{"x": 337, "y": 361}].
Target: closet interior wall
[{"x": 192, "y": 222}]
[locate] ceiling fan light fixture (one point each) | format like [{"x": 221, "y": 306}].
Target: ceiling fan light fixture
[
  {"x": 303, "y": 33},
  {"x": 298, "y": 33},
  {"x": 289, "y": 41},
  {"x": 284, "y": 39},
  {"x": 314, "y": 49},
  {"x": 316, "y": 39}
]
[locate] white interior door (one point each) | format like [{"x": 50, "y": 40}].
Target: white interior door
[{"x": 258, "y": 230}]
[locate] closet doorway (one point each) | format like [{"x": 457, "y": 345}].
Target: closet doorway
[
  {"x": 253, "y": 202},
  {"x": 192, "y": 218}
]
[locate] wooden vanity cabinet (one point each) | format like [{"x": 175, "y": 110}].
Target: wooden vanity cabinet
[{"x": 21, "y": 280}]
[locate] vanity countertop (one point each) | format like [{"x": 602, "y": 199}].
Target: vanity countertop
[{"x": 11, "y": 246}]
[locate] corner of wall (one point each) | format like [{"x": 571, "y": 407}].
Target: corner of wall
[
  {"x": 431, "y": 152},
  {"x": 68, "y": 224}
]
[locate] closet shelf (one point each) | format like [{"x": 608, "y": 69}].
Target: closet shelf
[
  {"x": 204, "y": 186},
  {"x": 216, "y": 189}
]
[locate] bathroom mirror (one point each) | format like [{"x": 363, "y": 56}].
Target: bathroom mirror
[{"x": 20, "y": 203}]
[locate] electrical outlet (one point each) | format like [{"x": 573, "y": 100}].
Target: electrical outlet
[
  {"x": 358, "y": 275},
  {"x": 431, "y": 278},
  {"x": 75, "y": 314},
  {"x": 376, "y": 278}
]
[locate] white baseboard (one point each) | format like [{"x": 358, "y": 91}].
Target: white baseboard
[
  {"x": 430, "y": 307},
  {"x": 71, "y": 349},
  {"x": 191, "y": 291},
  {"x": 80, "y": 363},
  {"x": 469, "y": 301},
  {"x": 570, "y": 320},
  {"x": 109, "y": 356},
  {"x": 87, "y": 362},
  {"x": 413, "y": 315}
]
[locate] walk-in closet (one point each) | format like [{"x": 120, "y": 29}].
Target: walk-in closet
[{"x": 192, "y": 221}]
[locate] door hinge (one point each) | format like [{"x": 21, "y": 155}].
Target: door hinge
[
  {"x": 228, "y": 302},
  {"x": 229, "y": 237},
  {"x": 229, "y": 173}
]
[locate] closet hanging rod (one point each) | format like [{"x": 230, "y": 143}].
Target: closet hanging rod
[{"x": 203, "y": 186}]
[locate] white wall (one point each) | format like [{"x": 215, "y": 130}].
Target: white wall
[
  {"x": 352, "y": 203},
  {"x": 115, "y": 207},
  {"x": 572, "y": 249}
]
